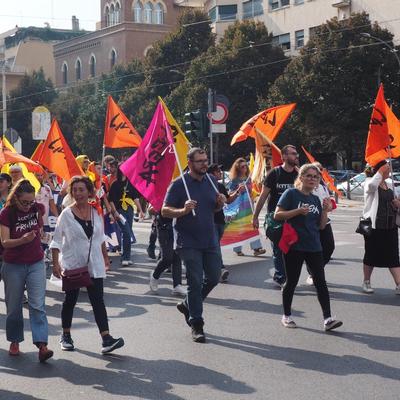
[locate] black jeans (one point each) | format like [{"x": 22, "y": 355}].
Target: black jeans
[
  {"x": 153, "y": 235},
  {"x": 95, "y": 293},
  {"x": 293, "y": 262},
  {"x": 169, "y": 257}
]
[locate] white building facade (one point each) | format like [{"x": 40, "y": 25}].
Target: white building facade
[{"x": 292, "y": 21}]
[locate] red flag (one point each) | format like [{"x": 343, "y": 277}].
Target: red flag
[
  {"x": 119, "y": 132},
  {"x": 56, "y": 155},
  {"x": 378, "y": 135},
  {"x": 269, "y": 122},
  {"x": 150, "y": 169}
]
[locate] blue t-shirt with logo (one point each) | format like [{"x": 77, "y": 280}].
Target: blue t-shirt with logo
[{"x": 306, "y": 226}]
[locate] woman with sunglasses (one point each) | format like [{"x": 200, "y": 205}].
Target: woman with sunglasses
[
  {"x": 239, "y": 176},
  {"x": 302, "y": 209},
  {"x": 21, "y": 222}
]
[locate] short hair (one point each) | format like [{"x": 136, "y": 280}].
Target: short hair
[
  {"x": 81, "y": 179},
  {"x": 193, "y": 151},
  {"x": 285, "y": 149}
]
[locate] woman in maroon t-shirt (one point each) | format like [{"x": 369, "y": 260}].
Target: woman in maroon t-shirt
[{"x": 20, "y": 229}]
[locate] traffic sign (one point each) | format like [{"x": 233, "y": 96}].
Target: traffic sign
[
  {"x": 219, "y": 128},
  {"x": 221, "y": 115}
]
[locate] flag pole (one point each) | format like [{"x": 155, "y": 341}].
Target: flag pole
[
  {"x": 248, "y": 194},
  {"x": 391, "y": 168}
]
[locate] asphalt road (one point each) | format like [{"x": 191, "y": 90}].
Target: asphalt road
[{"x": 248, "y": 355}]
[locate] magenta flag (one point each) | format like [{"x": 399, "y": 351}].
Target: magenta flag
[{"x": 151, "y": 167}]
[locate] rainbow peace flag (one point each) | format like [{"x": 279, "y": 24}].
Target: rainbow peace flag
[{"x": 239, "y": 228}]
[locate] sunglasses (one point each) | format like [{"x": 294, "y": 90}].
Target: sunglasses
[
  {"x": 27, "y": 203},
  {"x": 201, "y": 161}
]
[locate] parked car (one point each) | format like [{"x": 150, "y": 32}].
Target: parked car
[
  {"x": 356, "y": 184},
  {"x": 342, "y": 175}
]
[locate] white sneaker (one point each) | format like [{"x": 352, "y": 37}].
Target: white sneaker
[
  {"x": 153, "y": 283},
  {"x": 332, "y": 323},
  {"x": 126, "y": 263},
  {"x": 309, "y": 281},
  {"x": 397, "y": 290},
  {"x": 287, "y": 322},
  {"x": 366, "y": 287},
  {"x": 180, "y": 290}
]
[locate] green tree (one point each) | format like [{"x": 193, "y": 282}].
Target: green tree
[
  {"x": 334, "y": 83},
  {"x": 33, "y": 90},
  {"x": 242, "y": 66}
]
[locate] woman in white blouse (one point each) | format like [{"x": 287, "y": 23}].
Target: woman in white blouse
[{"x": 79, "y": 236}]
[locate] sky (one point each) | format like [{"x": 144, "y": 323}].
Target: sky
[{"x": 57, "y": 13}]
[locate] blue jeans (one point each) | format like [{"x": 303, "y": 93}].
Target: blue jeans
[
  {"x": 279, "y": 263},
  {"x": 16, "y": 277},
  {"x": 127, "y": 233},
  {"x": 203, "y": 270},
  {"x": 256, "y": 244}
]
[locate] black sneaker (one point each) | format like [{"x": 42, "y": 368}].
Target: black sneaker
[
  {"x": 224, "y": 275},
  {"x": 279, "y": 281},
  {"x": 66, "y": 342},
  {"x": 151, "y": 253},
  {"x": 198, "y": 333},
  {"x": 184, "y": 310},
  {"x": 110, "y": 344}
]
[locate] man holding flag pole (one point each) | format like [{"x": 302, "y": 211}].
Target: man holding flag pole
[{"x": 197, "y": 242}]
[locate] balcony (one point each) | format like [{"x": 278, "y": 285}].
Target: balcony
[{"x": 342, "y": 4}]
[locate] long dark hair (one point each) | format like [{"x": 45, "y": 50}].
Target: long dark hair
[{"x": 21, "y": 187}]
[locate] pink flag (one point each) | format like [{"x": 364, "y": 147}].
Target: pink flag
[{"x": 151, "y": 166}]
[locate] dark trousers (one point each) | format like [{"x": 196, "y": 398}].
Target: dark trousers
[
  {"x": 153, "y": 235},
  {"x": 220, "y": 228},
  {"x": 293, "y": 262},
  {"x": 169, "y": 257},
  {"x": 95, "y": 293},
  {"x": 327, "y": 243}
]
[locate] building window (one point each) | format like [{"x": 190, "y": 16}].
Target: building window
[
  {"x": 298, "y": 2},
  {"x": 213, "y": 14},
  {"x": 113, "y": 57},
  {"x": 282, "y": 40},
  {"x": 275, "y": 4},
  {"x": 78, "y": 70},
  {"x": 107, "y": 15},
  {"x": 227, "y": 12},
  {"x": 252, "y": 8},
  {"x": 117, "y": 17},
  {"x": 64, "y": 71},
  {"x": 112, "y": 14},
  {"x": 159, "y": 14},
  {"x": 313, "y": 31},
  {"x": 148, "y": 13},
  {"x": 299, "y": 37},
  {"x": 137, "y": 11},
  {"x": 92, "y": 66}
]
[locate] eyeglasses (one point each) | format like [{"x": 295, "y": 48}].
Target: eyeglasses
[
  {"x": 201, "y": 161},
  {"x": 26, "y": 203},
  {"x": 243, "y": 166},
  {"x": 309, "y": 176},
  {"x": 293, "y": 154}
]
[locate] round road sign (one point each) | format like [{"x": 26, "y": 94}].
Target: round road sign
[{"x": 221, "y": 115}]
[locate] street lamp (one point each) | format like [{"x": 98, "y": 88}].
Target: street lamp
[{"x": 4, "y": 93}]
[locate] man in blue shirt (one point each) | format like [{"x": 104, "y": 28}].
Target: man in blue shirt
[{"x": 197, "y": 242}]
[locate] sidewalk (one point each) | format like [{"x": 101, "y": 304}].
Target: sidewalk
[{"x": 346, "y": 203}]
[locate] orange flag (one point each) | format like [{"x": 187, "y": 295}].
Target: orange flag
[
  {"x": 119, "y": 132},
  {"x": 267, "y": 156},
  {"x": 56, "y": 155},
  {"x": 269, "y": 122},
  {"x": 329, "y": 181},
  {"x": 38, "y": 151},
  {"x": 8, "y": 156},
  {"x": 378, "y": 135}
]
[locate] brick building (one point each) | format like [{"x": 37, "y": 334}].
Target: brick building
[{"x": 127, "y": 29}]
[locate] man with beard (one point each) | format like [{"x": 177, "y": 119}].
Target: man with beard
[
  {"x": 197, "y": 242},
  {"x": 276, "y": 182}
]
